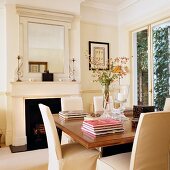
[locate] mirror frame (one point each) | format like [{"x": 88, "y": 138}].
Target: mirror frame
[{"x": 32, "y": 15}]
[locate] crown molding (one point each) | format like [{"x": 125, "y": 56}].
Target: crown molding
[{"x": 44, "y": 13}]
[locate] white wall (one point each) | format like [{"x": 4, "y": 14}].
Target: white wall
[
  {"x": 97, "y": 16},
  {"x": 97, "y": 33},
  {"x": 3, "y": 75},
  {"x": 3, "y": 60},
  {"x": 96, "y": 26},
  {"x": 75, "y": 47},
  {"x": 12, "y": 41}
]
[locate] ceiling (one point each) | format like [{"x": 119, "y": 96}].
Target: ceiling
[{"x": 113, "y": 5}]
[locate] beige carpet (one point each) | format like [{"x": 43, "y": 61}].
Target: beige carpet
[{"x": 30, "y": 160}]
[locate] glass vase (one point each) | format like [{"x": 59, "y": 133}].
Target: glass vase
[
  {"x": 106, "y": 101},
  {"x": 120, "y": 99}
]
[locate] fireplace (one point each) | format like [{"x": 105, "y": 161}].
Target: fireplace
[
  {"x": 35, "y": 131},
  {"x": 23, "y": 92}
]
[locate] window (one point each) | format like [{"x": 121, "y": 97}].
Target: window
[{"x": 151, "y": 60}]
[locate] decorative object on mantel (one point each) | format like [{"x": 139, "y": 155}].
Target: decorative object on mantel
[
  {"x": 19, "y": 72},
  {"x": 117, "y": 69},
  {"x": 46, "y": 76},
  {"x": 72, "y": 71}
]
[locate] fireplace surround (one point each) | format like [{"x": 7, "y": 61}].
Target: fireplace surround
[{"x": 21, "y": 93}]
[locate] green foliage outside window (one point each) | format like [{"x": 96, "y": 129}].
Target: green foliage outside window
[
  {"x": 161, "y": 56},
  {"x": 142, "y": 67}
]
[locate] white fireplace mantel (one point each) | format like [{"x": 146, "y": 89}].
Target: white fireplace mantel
[
  {"x": 46, "y": 89},
  {"x": 33, "y": 90}
]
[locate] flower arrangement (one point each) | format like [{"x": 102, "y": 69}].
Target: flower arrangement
[{"x": 117, "y": 69}]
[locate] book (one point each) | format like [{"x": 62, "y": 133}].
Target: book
[
  {"x": 76, "y": 112},
  {"x": 102, "y": 128},
  {"x": 72, "y": 114},
  {"x": 99, "y": 133},
  {"x": 111, "y": 131},
  {"x": 102, "y": 122},
  {"x": 72, "y": 117}
]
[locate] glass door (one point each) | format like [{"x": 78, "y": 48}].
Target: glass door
[
  {"x": 151, "y": 64},
  {"x": 140, "y": 66}
]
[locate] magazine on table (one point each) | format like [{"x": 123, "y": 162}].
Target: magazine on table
[
  {"x": 102, "y": 128},
  {"x": 72, "y": 117},
  {"x": 76, "y": 112},
  {"x": 102, "y": 122},
  {"x": 102, "y": 132}
]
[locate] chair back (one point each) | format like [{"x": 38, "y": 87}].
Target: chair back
[
  {"x": 98, "y": 103},
  {"x": 167, "y": 104},
  {"x": 54, "y": 147},
  {"x": 151, "y": 144},
  {"x": 71, "y": 103}
]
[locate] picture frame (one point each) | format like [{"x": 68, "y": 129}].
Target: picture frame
[
  {"x": 99, "y": 51},
  {"x": 37, "y": 67}
]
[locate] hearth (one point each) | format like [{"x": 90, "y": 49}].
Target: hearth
[{"x": 35, "y": 132}]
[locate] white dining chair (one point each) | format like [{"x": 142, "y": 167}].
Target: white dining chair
[
  {"x": 71, "y": 156},
  {"x": 167, "y": 104},
  {"x": 150, "y": 148},
  {"x": 98, "y": 103},
  {"x": 70, "y": 103}
]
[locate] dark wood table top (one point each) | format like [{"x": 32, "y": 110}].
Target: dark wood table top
[{"x": 73, "y": 129}]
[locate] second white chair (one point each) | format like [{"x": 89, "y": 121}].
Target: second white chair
[
  {"x": 70, "y": 103},
  {"x": 167, "y": 104},
  {"x": 98, "y": 103},
  {"x": 66, "y": 157}
]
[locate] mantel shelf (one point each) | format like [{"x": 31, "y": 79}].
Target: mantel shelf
[
  {"x": 46, "y": 88},
  {"x": 44, "y": 82}
]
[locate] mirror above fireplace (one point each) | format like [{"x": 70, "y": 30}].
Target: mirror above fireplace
[
  {"x": 44, "y": 41},
  {"x": 46, "y": 48}
]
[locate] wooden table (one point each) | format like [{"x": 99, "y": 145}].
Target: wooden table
[{"x": 73, "y": 129}]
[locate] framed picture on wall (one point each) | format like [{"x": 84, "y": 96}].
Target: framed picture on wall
[
  {"x": 37, "y": 67},
  {"x": 98, "y": 55}
]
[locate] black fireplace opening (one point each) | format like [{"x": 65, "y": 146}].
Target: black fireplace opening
[{"x": 35, "y": 131}]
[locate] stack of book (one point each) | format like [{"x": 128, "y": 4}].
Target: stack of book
[
  {"x": 102, "y": 126},
  {"x": 78, "y": 114}
]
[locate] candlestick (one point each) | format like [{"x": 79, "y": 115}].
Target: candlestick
[
  {"x": 19, "y": 69},
  {"x": 73, "y": 75}
]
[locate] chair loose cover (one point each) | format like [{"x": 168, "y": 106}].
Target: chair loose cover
[
  {"x": 66, "y": 157},
  {"x": 150, "y": 148},
  {"x": 98, "y": 103},
  {"x": 167, "y": 104},
  {"x": 70, "y": 103}
]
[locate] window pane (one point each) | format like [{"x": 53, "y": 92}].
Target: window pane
[
  {"x": 142, "y": 68},
  {"x": 161, "y": 57}
]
